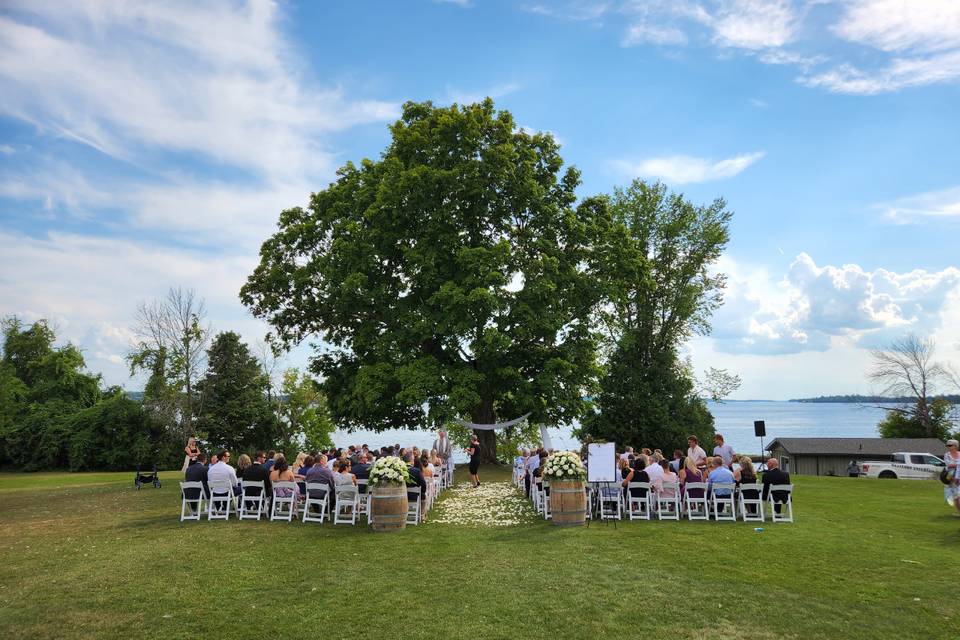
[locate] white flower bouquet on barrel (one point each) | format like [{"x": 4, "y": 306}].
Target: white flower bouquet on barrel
[
  {"x": 564, "y": 465},
  {"x": 389, "y": 471},
  {"x": 568, "y": 499},
  {"x": 388, "y": 494}
]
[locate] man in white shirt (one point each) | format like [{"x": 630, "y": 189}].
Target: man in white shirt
[
  {"x": 655, "y": 473},
  {"x": 223, "y": 472},
  {"x": 725, "y": 451},
  {"x": 626, "y": 453},
  {"x": 696, "y": 453}
]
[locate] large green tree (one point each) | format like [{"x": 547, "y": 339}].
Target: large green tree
[
  {"x": 661, "y": 290},
  {"x": 235, "y": 412},
  {"x": 450, "y": 277}
]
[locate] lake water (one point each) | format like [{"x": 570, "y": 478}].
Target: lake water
[{"x": 733, "y": 419}]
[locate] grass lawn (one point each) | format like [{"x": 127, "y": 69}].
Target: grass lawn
[{"x": 85, "y": 555}]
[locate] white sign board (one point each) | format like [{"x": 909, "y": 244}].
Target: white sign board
[{"x": 602, "y": 462}]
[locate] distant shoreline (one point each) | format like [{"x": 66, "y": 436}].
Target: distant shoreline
[{"x": 872, "y": 399}]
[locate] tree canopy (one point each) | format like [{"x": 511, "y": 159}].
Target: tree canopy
[
  {"x": 660, "y": 291},
  {"x": 453, "y": 276}
]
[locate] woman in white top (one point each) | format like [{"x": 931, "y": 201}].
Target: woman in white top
[
  {"x": 342, "y": 475},
  {"x": 952, "y": 491}
]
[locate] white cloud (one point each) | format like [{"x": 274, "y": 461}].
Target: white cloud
[
  {"x": 754, "y": 24},
  {"x": 816, "y": 308},
  {"x": 90, "y": 287},
  {"x": 577, "y": 10},
  {"x": 902, "y": 25},
  {"x": 900, "y": 73},
  {"x": 681, "y": 169},
  {"x": 214, "y": 78},
  {"x": 922, "y": 38},
  {"x": 943, "y": 204},
  {"x": 7, "y": 150},
  {"x": 652, "y": 34}
]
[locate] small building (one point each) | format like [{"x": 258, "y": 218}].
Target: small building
[{"x": 830, "y": 456}]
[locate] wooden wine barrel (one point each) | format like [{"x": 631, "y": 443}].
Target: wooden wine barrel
[
  {"x": 388, "y": 508},
  {"x": 568, "y": 503}
]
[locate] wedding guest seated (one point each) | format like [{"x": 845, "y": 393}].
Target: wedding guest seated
[
  {"x": 270, "y": 460},
  {"x": 222, "y": 471},
  {"x": 668, "y": 477},
  {"x": 257, "y": 472},
  {"x": 416, "y": 475},
  {"x": 298, "y": 463},
  {"x": 320, "y": 472},
  {"x": 281, "y": 472},
  {"x": 197, "y": 472},
  {"x": 747, "y": 475},
  {"x": 308, "y": 463},
  {"x": 640, "y": 465},
  {"x": 775, "y": 475},
  {"x": 654, "y": 472},
  {"x": 719, "y": 474},
  {"x": 423, "y": 463},
  {"x": 342, "y": 475},
  {"x": 690, "y": 473},
  {"x": 361, "y": 470},
  {"x": 677, "y": 463}
]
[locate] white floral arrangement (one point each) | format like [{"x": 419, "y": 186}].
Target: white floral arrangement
[
  {"x": 387, "y": 471},
  {"x": 564, "y": 465}
]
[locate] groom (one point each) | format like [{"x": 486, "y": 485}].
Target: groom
[{"x": 444, "y": 450}]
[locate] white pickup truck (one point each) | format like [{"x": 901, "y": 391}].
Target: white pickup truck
[{"x": 919, "y": 466}]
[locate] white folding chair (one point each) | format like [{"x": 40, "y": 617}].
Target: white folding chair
[
  {"x": 545, "y": 487},
  {"x": 696, "y": 507},
  {"x": 537, "y": 494},
  {"x": 348, "y": 504},
  {"x": 364, "y": 497},
  {"x": 191, "y": 506},
  {"x": 284, "y": 501},
  {"x": 638, "y": 507},
  {"x": 751, "y": 508},
  {"x": 724, "y": 506},
  {"x": 588, "y": 490},
  {"x": 786, "y": 513},
  {"x": 413, "y": 506},
  {"x": 668, "y": 501},
  {"x": 252, "y": 495},
  {"x": 611, "y": 501},
  {"x": 317, "y": 502},
  {"x": 221, "y": 500}
]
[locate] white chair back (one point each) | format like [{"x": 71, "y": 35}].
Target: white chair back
[
  {"x": 668, "y": 501},
  {"x": 348, "y": 503},
  {"x": 781, "y": 495},
  {"x": 192, "y": 497},
  {"x": 751, "y": 502},
  {"x": 316, "y": 501},
  {"x": 251, "y": 499},
  {"x": 284, "y": 501},
  {"x": 696, "y": 506},
  {"x": 221, "y": 500}
]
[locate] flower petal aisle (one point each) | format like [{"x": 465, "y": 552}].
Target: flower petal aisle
[{"x": 497, "y": 504}]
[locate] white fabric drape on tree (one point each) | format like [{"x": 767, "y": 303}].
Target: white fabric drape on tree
[{"x": 544, "y": 436}]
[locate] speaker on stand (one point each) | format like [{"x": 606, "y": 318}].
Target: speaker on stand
[{"x": 760, "y": 430}]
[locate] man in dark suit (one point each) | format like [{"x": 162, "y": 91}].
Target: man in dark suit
[
  {"x": 197, "y": 473},
  {"x": 416, "y": 475},
  {"x": 362, "y": 469},
  {"x": 257, "y": 472},
  {"x": 772, "y": 476}
]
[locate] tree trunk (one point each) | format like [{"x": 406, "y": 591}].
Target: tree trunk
[{"x": 484, "y": 414}]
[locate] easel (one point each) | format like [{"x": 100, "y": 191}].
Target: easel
[{"x": 601, "y": 457}]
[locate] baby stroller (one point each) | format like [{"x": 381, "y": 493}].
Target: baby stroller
[{"x": 144, "y": 477}]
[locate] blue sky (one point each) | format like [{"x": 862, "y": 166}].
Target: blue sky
[{"x": 148, "y": 145}]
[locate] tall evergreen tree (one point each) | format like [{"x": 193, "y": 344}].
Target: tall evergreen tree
[{"x": 235, "y": 412}]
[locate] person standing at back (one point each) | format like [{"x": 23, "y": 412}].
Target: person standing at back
[
  {"x": 696, "y": 453},
  {"x": 952, "y": 458},
  {"x": 723, "y": 450},
  {"x": 474, "y": 452}
]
